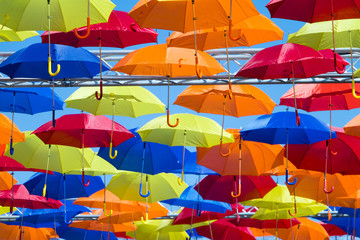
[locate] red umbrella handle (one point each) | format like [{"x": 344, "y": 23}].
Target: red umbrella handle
[
  {"x": 101, "y": 92},
  {"x": 326, "y": 191},
  {"x": 168, "y": 120},
  {"x": 83, "y": 180},
  {"x": 87, "y": 31},
  {"x": 230, "y": 30}
]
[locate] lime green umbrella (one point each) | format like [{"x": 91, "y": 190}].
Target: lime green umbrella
[
  {"x": 98, "y": 166},
  {"x": 192, "y": 130},
  {"x": 4, "y": 210},
  {"x": 126, "y": 101},
  {"x": 320, "y": 36},
  {"x": 9, "y": 35}
]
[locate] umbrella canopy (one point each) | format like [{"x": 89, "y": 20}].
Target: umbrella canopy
[
  {"x": 163, "y": 61},
  {"x": 263, "y": 224},
  {"x": 191, "y": 166},
  {"x": 344, "y": 226},
  {"x": 6, "y": 181},
  {"x": 321, "y": 97},
  {"x": 225, "y": 229},
  {"x": 72, "y": 233},
  {"x": 288, "y": 60},
  {"x": 280, "y": 170},
  {"x": 253, "y": 30},
  {"x": 83, "y": 131},
  {"x": 94, "y": 225},
  {"x": 256, "y": 158},
  {"x": 65, "y": 15},
  {"x": 158, "y": 157},
  {"x": 5, "y": 131},
  {"x": 9, "y": 35},
  {"x": 178, "y": 15},
  {"x": 19, "y": 197},
  {"x": 192, "y": 131},
  {"x": 219, "y": 188},
  {"x": 273, "y": 129},
  {"x": 190, "y": 198},
  {"x": 246, "y": 100},
  {"x": 308, "y": 229},
  {"x": 55, "y": 186},
  {"x": 129, "y": 101},
  {"x": 119, "y": 31},
  {"x": 332, "y": 229},
  {"x": 32, "y": 62},
  {"x": 163, "y": 186},
  {"x": 25, "y": 233},
  {"x": 353, "y": 127}
]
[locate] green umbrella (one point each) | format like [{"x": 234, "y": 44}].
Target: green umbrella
[
  {"x": 320, "y": 36},
  {"x": 192, "y": 130},
  {"x": 9, "y": 35}
]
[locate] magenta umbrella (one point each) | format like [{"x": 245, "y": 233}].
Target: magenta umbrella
[
  {"x": 289, "y": 60},
  {"x": 120, "y": 31}
]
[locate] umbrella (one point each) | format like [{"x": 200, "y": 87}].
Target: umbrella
[
  {"x": 94, "y": 225},
  {"x": 26, "y": 233},
  {"x": 6, "y": 181},
  {"x": 193, "y": 131},
  {"x": 9, "y": 35},
  {"x": 190, "y": 198},
  {"x": 263, "y": 224},
  {"x": 288, "y": 60},
  {"x": 71, "y": 233},
  {"x": 119, "y": 31},
  {"x": 191, "y": 167},
  {"x": 278, "y": 128},
  {"x": 170, "y": 62},
  {"x": 332, "y": 229},
  {"x": 225, "y": 229},
  {"x": 6, "y": 134},
  {"x": 352, "y": 127},
  {"x": 280, "y": 170},
  {"x": 19, "y": 196}
]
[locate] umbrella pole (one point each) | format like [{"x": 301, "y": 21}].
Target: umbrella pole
[
  {"x": 352, "y": 69},
  {"x": 210, "y": 229},
  {"x": 230, "y": 26},
  {"x": 12, "y": 192},
  {"x": 340, "y": 71},
  {"x": 181, "y": 180},
  {"x": 142, "y": 173},
  {"x": 228, "y": 64},
  {"x": 276, "y": 222},
  {"x": 47, "y": 171},
  {"x": 197, "y": 69},
  {"x": 146, "y": 202},
  {"x": 353, "y": 236},
  {"x": 328, "y": 142},
  {"x": 292, "y": 230},
  {"x": 51, "y": 73},
  {"x": 198, "y": 211},
  {"x": 293, "y": 214},
  {"x": 134, "y": 230},
  {"x": 222, "y": 130},
  {"x": 83, "y": 159},
  {"x": 112, "y": 132},
  {"x": 65, "y": 213},
  {"x": 287, "y": 161},
  {"x": 104, "y": 210},
  {"x": 12, "y": 126},
  {"x": 101, "y": 83},
  {"x": 295, "y": 103},
  {"x": 239, "y": 183},
  {"x": 168, "y": 105}
]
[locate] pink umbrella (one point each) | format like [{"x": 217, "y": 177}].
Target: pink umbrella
[{"x": 120, "y": 31}]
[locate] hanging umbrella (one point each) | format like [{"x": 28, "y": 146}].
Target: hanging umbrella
[
  {"x": 280, "y": 170},
  {"x": 191, "y": 167},
  {"x": 119, "y": 31},
  {"x": 352, "y": 127},
  {"x": 9, "y": 35},
  {"x": 26, "y": 233},
  {"x": 347, "y": 225},
  {"x": 332, "y": 229},
  {"x": 225, "y": 229},
  {"x": 6, "y": 135},
  {"x": 193, "y": 131},
  {"x": 71, "y": 233},
  {"x": 6, "y": 181},
  {"x": 170, "y": 62},
  {"x": 94, "y": 225},
  {"x": 190, "y": 198},
  {"x": 263, "y": 224}
]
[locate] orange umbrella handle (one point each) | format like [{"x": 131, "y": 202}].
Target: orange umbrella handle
[
  {"x": 326, "y": 191},
  {"x": 338, "y": 70},
  {"x": 353, "y": 236},
  {"x": 329, "y": 215},
  {"x": 220, "y": 150},
  {"x": 293, "y": 215},
  {"x": 238, "y": 194},
  {"x": 83, "y": 180},
  {"x": 197, "y": 69},
  {"x": 230, "y": 30},
  {"x": 111, "y": 211},
  {"x": 87, "y": 31},
  {"x": 168, "y": 120},
  {"x": 101, "y": 92}
]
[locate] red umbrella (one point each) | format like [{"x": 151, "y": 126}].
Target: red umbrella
[
  {"x": 225, "y": 229},
  {"x": 19, "y": 196},
  {"x": 273, "y": 223},
  {"x": 83, "y": 131},
  {"x": 332, "y": 229},
  {"x": 120, "y": 31},
  {"x": 288, "y": 60}
]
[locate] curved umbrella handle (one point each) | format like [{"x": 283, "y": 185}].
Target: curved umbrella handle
[
  {"x": 230, "y": 30},
  {"x": 238, "y": 194},
  {"x": 197, "y": 69},
  {"x": 220, "y": 150},
  {"x": 293, "y": 215},
  {"x": 297, "y": 118},
  {"x": 101, "y": 92},
  {"x": 44, "y": 190},
  {"x": 51, "y": 73},
  {"x": 353, "y": 89},
  {"x": 140, "y": 192},
  {"x": 87, "y": 30},
  {"x": 104, "y": 210},
  {"x": 180, "y": 180},
  {"x": 287, "y": 178},
  {"x": 168, "y": 120},
  {"x": 83, "y": 180},
  {"x": 338, "y": 70},
  {"x": 11, "y": 147},
  {"x": 326, "y": 191},
  {"x": 329, "y": 215},
  {"x": 110, "y": 152},
  {"x": 68, "y": 222},
  {"x": 146, "y": 218}
]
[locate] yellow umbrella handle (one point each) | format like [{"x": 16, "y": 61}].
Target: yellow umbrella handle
[
  {"x": 53, "y": 74},
  {"x": 87, "y": 31},
  {"x": 353, "y": 89},
  {"x": 110, "y": 152},
  {"x": 44, "y": 190},
  {"x": 146, "y": 218},
  {"x": 230, "y": 30},
  {"x": 181, "y": 180},
  {"x": 111, "y": 211}
]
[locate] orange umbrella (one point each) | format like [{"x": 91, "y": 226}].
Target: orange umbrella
[
  {"x": 5, "y": 131},
  {"x": 13, "y": 232},
  {"x": 170, "y": 62},
  {"x": 6, "y": 181},
  {"x": 280, "y": 170},
  {"x": 96, "y": 226},
  {"x": 353, "y": 127},
  {"x": 256, "y": 158},
  {"x": 307, "y": 230}
]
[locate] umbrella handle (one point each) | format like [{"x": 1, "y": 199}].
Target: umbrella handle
[
  {"x": 44, "y": 190},
  {"x": 293, "y": 215},
  {"x": 297, "y": 118},
  {"x": 326, "y": 191},
  {"x": 140, "y": 192},
  {"x": 87, "y": 30},
  {"x": 110, "y": 152},
  {"x": 146, "y": 218},
  {"x": 83, "y": 180},
  {"x": 197, "y": 69},
  {"x": 220, "y": 150},
  {"x": 353, "y": 235},
  {"x": 111, "y": 211},
  {"x": 338, "y": 70},
  {"x": 287, "y": 178},
  {"x": 238, "y": 194},
  {"x": 168, "y": 120},
  {"x": 230, "y": 30},
  {"x": 101, "y": 92},
  {"x": 329, "y": 215},
  {"x": 68, "y": 222},
  {"x": 353, "y": 89},
  {"x": 180, "y": 180},
  {"x": 11, "y": 147},
  {"x": 51, "y": 73}
]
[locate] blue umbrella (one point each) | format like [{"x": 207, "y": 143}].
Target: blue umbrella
[
  {"x": 145, "y": 157},
  {"x": 347, "y": 224},
  {"x": 70, "y": 233},
  {"x": 190, "y": 198},
  {"x": 280, "y": 128},
  {"x": 28, "y": 101},
  {"x": 191, "y": 167}
]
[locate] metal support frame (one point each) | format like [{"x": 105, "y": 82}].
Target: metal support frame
[{"x": 238, "y": 57}]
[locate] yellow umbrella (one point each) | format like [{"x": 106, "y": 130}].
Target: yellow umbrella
[{"x": 9, "y": 35}]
